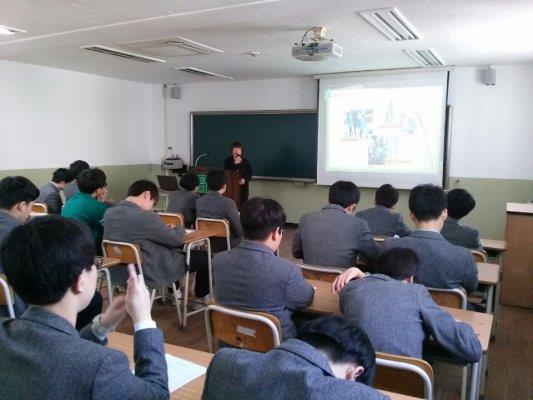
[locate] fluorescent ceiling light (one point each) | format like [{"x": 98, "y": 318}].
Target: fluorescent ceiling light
[
  {"x": 6, "y": 30},
  {"x": 391, "y": 23},
  {"x": 425, "y": 57}
]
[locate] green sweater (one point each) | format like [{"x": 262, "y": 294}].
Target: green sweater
[{"x": 84, "y": 208}]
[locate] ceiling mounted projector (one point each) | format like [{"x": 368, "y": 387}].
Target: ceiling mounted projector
[{"x": 317, "y": 48}]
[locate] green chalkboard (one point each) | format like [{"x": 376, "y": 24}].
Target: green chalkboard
[{"x": 278, "y": 144}]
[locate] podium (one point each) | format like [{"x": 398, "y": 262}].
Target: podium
[
  {"x": 233, "y": 189},
  {"x": 517, "y": 269}
]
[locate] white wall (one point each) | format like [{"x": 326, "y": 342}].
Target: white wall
[
  {"x": 492, "y": 133},
  {"x": 492, "y": 130},
  {"x": 50, "y": 117},
  {"x": 278, "y": 94}
]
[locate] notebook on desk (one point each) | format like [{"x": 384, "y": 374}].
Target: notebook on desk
[{"x": 168, "y": 182}]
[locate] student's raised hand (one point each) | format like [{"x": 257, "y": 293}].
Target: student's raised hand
[
  {"x": 242, "y": 181},
  {"x": 115, "y": 313},
  {"x": 138, "y": 302},
  {"x": 341, "y": 280}
]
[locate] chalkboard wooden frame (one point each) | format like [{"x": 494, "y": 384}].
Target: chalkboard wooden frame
[{"x": 252, "y": 112}]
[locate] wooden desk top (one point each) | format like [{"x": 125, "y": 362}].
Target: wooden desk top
[
  {"x": 193, "y": 390},
  {"x": 198, "y": 234},
  {"x": 481, "y": 323},
  {"x": 324, "y": 302},
  {"x": 494, "y": 245},
  {"x": 109, "y": 262},
  {"x": 488, "y": 274}
]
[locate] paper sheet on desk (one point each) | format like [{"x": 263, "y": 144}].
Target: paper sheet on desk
[
  {"x": 189, "y": 230},
  {"x": 181, "y": 372}
]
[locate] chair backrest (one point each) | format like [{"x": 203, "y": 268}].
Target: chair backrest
[
  {"x": 6, "y": 296},
  {"x": 250, "y": 330},
  {"x": 319, "y": 273},
  {"x": 172, "y": 218},
  {"x": 454, "y": 298},
  {"x": 405, "y": 375},
  {"x": 220, "y": 228},
  {"x": 40, "y": 208},
  {"x": 479, "y": 255},
  {"x": 127, "y": 253}
]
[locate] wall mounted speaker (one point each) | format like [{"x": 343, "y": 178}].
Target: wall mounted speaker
[
  {"x": 175, "y": 92},
  {"x": 490, "y": 77}
]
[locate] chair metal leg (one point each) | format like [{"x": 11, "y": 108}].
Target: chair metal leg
[
  {"x": 463, "y": 382},
  {"x": 109, "y": 286},
  {"x": 177, "y": 301},
  {"x": 474, "y": 381}
]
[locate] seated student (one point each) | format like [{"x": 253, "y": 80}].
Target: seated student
[
  {"x": 49, "y": 193},
  {"x": 184, "y": 199},
  {"x": 460, "y": 203},
  {"x": 163, "y": 260},
  {"x": 442, "y": 265},
  {"x": 333, "y": 237},
  {"x": 89, "y": 204},
  {"x": 252, "y": 277},
  {"x": 17, "y": 195},
  {"x": 76, "y": 168},
  {"x": 50, "y": 263},
  {"x": 215, "y": 205},
  {"x": 397, "y": 314},
  {"x": 331, "y": 359},
  {"x": 382, "y": 219}
]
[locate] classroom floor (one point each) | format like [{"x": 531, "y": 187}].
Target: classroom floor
[{"x": 510, "y": 361}]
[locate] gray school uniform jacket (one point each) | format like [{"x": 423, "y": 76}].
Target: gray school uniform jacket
[
  {"x": 442, "y": 265},
  {"x": 384, "y": 222},
  {"x": 214, "y": 205},
  {"x": 332, "y": 238},
  {"x": 294, "y": 370},
  {"x": 42, "y": 356},
  {"x": 252, "y": 277},
  {"x": 184, "y": 202},
  {"x": 7, "y": 224},
  {"x": 49, "y": 194},
  {"x": 163, "y": 260},
  {"x": 70, "y": 189},
  {"x": 461, "y": 235},
  {"x": 398, "y": 316}
]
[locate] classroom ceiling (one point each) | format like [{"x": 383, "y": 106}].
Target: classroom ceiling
[{"x": 462, "y": 32}]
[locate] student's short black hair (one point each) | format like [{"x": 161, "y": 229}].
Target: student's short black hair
[
  {"x": 460, "y": 203},
  {"x": 61, "y": 174},
  {"x": 239, "y": 145},
  {"x": 15, "y": 189},
  {"x": 259, "y": 217},
  {"x": 139, "y": 187},
  {"x": 216, "y": 178},
  {"x": 342, "y": 342},
  {"x": 189, "y": 181},
  {"x": 90, "y": 180},
  {"x": 45, "y": 256},
  {"x": 427, "y": 202},
  {"x": 398, "y": 263},
  {"x": 344, "y": 193},
  {"x": 77, "y": 167},
  {"x": 387, "y": 196}
]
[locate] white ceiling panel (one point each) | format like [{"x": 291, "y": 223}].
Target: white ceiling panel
[{"x": 475, "y": 32}]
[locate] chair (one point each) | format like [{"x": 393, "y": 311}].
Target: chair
[
  {"x": 405, "y": 375},
  {"x": 319, "y": 273},
  {"x": 172, "y": 218},
  {"x": 250, "y": 330},
  {"x": 454, "y": 298},
  {"x": 39, "y": 208},
  {"x": 129, "y": 253},
  {"x": 6, "y": 296},
  {"x": 479, "y": 255},
  {"x": 220, "y": 227}
]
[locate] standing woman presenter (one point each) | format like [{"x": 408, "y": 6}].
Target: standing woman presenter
[{"x": 236, "y": 162}]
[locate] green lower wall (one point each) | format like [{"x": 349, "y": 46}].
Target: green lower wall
[
  {"x": 298, "y": 198},
  {"x": 489, "y": 215}
]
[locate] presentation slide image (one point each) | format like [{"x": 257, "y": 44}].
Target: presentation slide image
[{"x": 384, "y": 129}]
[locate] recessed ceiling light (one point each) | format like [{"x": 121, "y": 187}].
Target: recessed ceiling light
[{"x": 6, "y": 30}]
